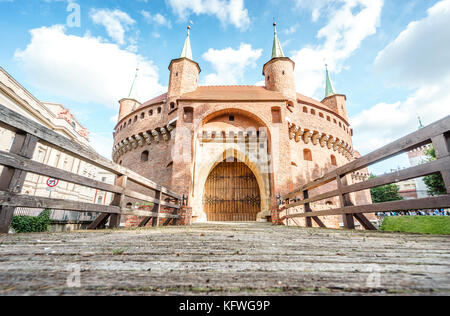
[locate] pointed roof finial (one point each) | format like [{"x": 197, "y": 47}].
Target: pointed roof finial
[
  {"x": 277, "y": 50},
  {"x": 329, "y": 89},
  {"x": 420, "y": 122},
  {"x": 187, "y": 51},
  {"x": 131, "y": 95}
]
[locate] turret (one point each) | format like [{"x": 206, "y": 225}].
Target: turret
[
  {"x": 335, "y": 101},
  {"x": 184, "y": 72},
  {"x": 129, "y": 104},
  {"x": 279, "y": 71}
]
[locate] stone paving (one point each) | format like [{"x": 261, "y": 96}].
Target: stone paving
[{"x": 224, "y": 259}]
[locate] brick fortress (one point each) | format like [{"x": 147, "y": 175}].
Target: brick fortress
[{"x": 233, "y": 149}]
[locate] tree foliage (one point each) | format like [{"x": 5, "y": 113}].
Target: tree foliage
[
  {"x": 385, "y": 193},
  {"x": 434, "y": 182}
]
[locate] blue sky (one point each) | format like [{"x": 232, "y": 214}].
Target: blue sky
[{"x": 389, "y": 57}]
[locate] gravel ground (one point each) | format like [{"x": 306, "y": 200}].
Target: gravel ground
[{"x": 224, "y": 259}]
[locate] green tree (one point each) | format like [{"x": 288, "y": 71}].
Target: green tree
[
  {"x": 385, "y": 193},
  {"x": 434, "y": 182}
]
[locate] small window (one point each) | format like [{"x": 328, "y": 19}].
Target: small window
[
  {"x": 340, "y": 125},
  {"x": 159, "y": 110},
  {"x": 172, "y": 105},
  {"x": 283, "y": 73},
  {"x": 129, "y": 122},
  {"x": 176, "y": 75},
  {"x": 305, "y": 109},
  {"x": 321, "y": 115},
  {"x": 313, "y": 112},
  {"x": 276, "y": 115},
  {"x": 328, "y": 119},
  {"x": 150, "y": 113},
  {"x": 144, "y": 156},
  {"x": 188, "y": 115},
  {"x": 142, "y": 115},
  {"x": 231, "y": 118},
  {"x": 135, "y": 119},
  {"x": 125, "y": 124},
  {"x": 268, "y": 78},
  {"x": 307, "y": 155},
  {"x": 333, "y": 160},
  {"x": 335, "y": 122},
  {"x": 120, "y": 163}
]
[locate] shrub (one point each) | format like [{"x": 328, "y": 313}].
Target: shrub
[{"x": 31, "y": 224}]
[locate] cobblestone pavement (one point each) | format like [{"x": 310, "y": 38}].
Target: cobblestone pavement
[{"x": 224, "y": 259}]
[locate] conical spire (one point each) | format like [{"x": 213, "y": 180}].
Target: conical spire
[
  {"x": 329, "y": 90},
  {"x": 187, "y": 51},
  {"x": 277, "y": 50},
  {"x": 132, "y": 94},
  {"x": 420, "y": 122}
]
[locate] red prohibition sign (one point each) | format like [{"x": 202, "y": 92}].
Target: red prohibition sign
[{"x": 52, "y": 182}]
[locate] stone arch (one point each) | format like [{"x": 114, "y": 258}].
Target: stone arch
[{"x": 208, "y": 165}]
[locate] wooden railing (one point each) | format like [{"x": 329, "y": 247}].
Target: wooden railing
[
  {"x": 437, "y": 134},
  {"x": 17, "y": 162}
]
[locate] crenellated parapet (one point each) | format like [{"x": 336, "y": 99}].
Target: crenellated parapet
[
  {"x": 319, "y": 138},
  {"x": 146, "y": 138}
]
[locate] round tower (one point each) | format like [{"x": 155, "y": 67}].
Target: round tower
[
  {"x": 184, "y": 72},
  {"x": 279, "y": 71}
]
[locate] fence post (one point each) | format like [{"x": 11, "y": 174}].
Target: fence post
[
  {"x": 345, "y": 200},
  {"x": 441, "y": 145},
  {"x": 119, "y": 200},
  {"x": 307, "y": 208},
  {"x": 11, "y": 179},
  {"x": 157, "y": 209}
]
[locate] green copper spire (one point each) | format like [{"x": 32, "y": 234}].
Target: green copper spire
[
  {"x": 329, "y": 90},
  {"x": 132, "y": 93},
  {"x": 420, "y": 122},
  {"x": 187, "y": 51},
  {"x": 277, "y": 50}
]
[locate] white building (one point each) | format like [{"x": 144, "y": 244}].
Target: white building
[{"x": 59, "y": 119}]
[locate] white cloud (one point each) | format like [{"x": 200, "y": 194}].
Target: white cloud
[
  {"x": 419, "y": 56},
  {"x": 421, "y": 53},
  {"x": 227, "y": 11},
  {"x": 116, "y": 23},
  {"x": 102, "y": 144},
  {"x": 349, "y": 23},
  {"x": 85, "y": 69},
  {"x": 230, "y": 64},
  {"x": 158, "y": 19}
]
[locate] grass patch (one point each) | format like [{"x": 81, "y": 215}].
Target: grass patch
[{"x": 437, "y": 225}]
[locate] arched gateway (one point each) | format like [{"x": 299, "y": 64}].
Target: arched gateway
[{"x": 231, "y": 193}]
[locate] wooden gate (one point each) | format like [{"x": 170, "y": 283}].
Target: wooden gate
[{"x": 231, "y": 193}]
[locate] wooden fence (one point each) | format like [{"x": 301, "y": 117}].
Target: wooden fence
[
  {"x": 437, "y": 134},
  {"x": 17, "y": 163}
]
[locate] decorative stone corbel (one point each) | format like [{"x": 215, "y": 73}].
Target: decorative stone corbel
[
  {"x": 316, "y": 137},
  {"x": 331, "y": 142},
  {"x": 140, "y": 140},
  {"x": 307, "y": 136},
  {"x": 156, "y": 136},
  {"x": 165, "y": 134},
  {"x": 298, "y": 133},
  {"x": 134, "y": 143},
  {"x": 148, "y": 138},
  {"x": 323, "y": 140}
]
